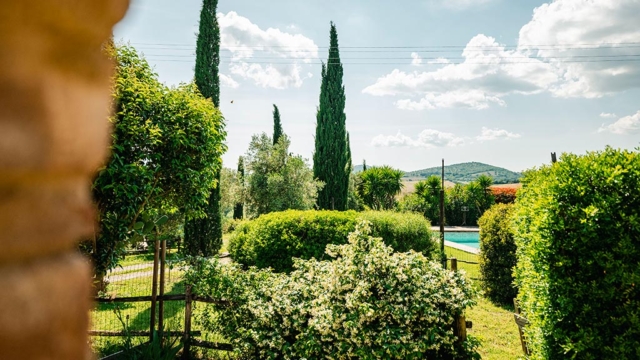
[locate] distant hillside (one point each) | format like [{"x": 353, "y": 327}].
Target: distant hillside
[
  {"x": 357, "y": 168},
  {"x": 467, "y": 172}
]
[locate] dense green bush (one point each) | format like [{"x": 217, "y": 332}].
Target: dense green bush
[
  {"x": 497, "y": 254},
  {"x": 578, "y": 239},
  {"x": 272, "y": 240},
  {"x": 367, "y": 303}
]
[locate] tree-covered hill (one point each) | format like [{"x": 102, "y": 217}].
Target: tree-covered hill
[{"x": 466, "y": 172}]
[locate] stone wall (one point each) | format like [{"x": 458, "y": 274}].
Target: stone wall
[{"x": 54, "y": 103}]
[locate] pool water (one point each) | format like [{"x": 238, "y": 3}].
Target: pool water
[{"x": 468, "y": 238}]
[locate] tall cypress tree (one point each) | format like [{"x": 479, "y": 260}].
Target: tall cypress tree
[
  {"x": 277, "y": 125},
  {"x": 332, "y": 154},
  {"x": 238, "y": 209},
  {"x": 204, "y": 236}
]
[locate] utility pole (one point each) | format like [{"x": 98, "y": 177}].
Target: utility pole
[{"x": 444, "y": 257}]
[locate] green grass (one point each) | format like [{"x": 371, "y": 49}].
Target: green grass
[
  {"x": 495, "y": 328},
  {"x": 473, "y": 270}
]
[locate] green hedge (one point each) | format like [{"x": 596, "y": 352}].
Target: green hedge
[
  {"x": 578, "y": 238},
  {"x": 497, "y": 254},
  {"x": 369, "y": 302},
  {"x": 272, "y": 240}
]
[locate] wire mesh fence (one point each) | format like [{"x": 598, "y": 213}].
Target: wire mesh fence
[{"x": 467, "y": 261}]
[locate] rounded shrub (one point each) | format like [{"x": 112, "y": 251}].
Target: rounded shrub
[
  {"x": 272, "y": 240},
  {"x": 577, "y": 231},
  {"x": 368, "y": 302},
  {"x": 497, "y": 254}
]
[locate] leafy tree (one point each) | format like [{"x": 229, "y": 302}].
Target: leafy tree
[
  {"x": 485, "y": 182},
  {"x": 332, "y": 156},
  {"x": 379, "y": 187},
  {"x": 277, "y": 180},
  {"x": 231, "y": 192},
  {"x": 429, "y": 191},
  {"x": 277, "y": 125},
  {"x": 238, "y": 210},
  {"x": 165, "y": 152},
  {"x": 204, "y": 236}
]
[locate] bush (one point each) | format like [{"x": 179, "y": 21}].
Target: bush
[
  {"x": 229, "y": 225},
  {"x": 272, "y": 240},
  {"x": 367, "y": 303},
  {"x": 497, "y": 254},
  {"x": 504, "y": 195},
  {"x": 578, "y": 239}
]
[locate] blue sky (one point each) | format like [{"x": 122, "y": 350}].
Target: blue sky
[{"x": 497, "y": 81}]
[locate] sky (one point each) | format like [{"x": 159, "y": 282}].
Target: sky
[{"x": 501, "y": 82}]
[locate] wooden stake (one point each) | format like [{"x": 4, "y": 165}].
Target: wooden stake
[
  {"x": 154, "y": 287},
  {"x": 163, "y": 261},
  {"x": 187, "y": 324}
]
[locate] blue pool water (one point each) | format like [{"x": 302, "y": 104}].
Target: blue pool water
[{"x": 470, "y": 238}]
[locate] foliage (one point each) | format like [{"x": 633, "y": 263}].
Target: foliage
[
  {"x": 203, "y": 236},
  {"x": 231, "y": 192},
  {"x": 332, "y": 156},
  {"x": 429, "y": 192},
  {"x": 379, "y": 186},
  {"x": 165, "y": 152},
  {"x": 498, "y": 254},
  {"x": 367, "y": 303},
  {"x": 238, "y": 209},
  {"x": 578, "y": 248},
  {"x": 277, "y": 125},
  {"x": 504, "y": 195},
  {"x": 354, "y": 201},
  {"x": 468, "y": 172},
  {"x": 276, "y": 179},
  {"x": 274, "y": 239}
]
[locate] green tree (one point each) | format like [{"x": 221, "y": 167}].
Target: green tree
[
  {"x": 332, "y": 155},
  {"x": 204, "y": 236},
  {"x": 277, "y": 125},
  {"x": 379, "y": 187},
  {"x": 277, "y": 180},
  {"x": 165, "y": 152},
  {"x": 429, "y": 191},
  {"x": 485, "y": 182},
  {"x": 238, "y": 210}
]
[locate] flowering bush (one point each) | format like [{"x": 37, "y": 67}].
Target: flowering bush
[
  {"x": 367, "y": 303},
  {"x": 504, "y": 195}
]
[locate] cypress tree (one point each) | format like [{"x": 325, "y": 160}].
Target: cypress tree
[
  {"x": 332, "y": 154},
  {"x": 364, "y": 165},
  {"x": 238, "y": 210},
  {"x": 277, "y": 125},
  {"x": 204, "y": 236}
]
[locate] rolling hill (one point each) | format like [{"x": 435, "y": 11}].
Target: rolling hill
[{"x": 467, "y": 172}]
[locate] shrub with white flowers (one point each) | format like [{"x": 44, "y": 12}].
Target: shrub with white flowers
[{"x": 367, "y": 303}]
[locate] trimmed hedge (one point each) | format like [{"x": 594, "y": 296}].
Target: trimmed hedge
[
  {"x": 578, "y": 238},
  {"x": 497, "y": 254},
  {"x": 272, "y": 240},
  {"x": 368, "y": 302}
]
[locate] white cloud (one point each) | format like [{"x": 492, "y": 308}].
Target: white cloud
[
  {"x": 415, "y": 59},
  {"x": 607, "y": 115},
  {"x": 570, "y": 48},
  {"x": 428, "y": 138},
  {"x": 487, "y": 134},
  {"x": 487, "y": 74},
  {"x": 628, "y": 125},
  {"x": 468, "y": 98},
  {"x": 228, "y": 81},
  {"x": 275, "y": 76},
  {"x": 245, "y": 39},
  {"x": 605, "y": 26},
  {"x": 439, "y": 60}
]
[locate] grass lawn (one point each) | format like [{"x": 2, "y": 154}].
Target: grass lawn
[{"x": 495, "y": 328}]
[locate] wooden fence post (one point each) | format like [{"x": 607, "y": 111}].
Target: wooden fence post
[
  {"x": 154, "y": 288},
  {"x": 187, "y": 324},
  {"x": 163, "y": 261},
  {"x": 454, "y": 264}
]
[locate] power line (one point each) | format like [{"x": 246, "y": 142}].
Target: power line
[
  {"x": 404, "y": 63},
  {"x": 405, "y": 58}
]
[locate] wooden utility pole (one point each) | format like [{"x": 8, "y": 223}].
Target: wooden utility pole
[{"x": 444, "y": 258}]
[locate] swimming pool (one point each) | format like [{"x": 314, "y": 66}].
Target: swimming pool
[{"x": 469, "y": 238}]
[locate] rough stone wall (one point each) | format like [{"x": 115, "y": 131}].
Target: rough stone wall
[{"x": 54, "y": 103}]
